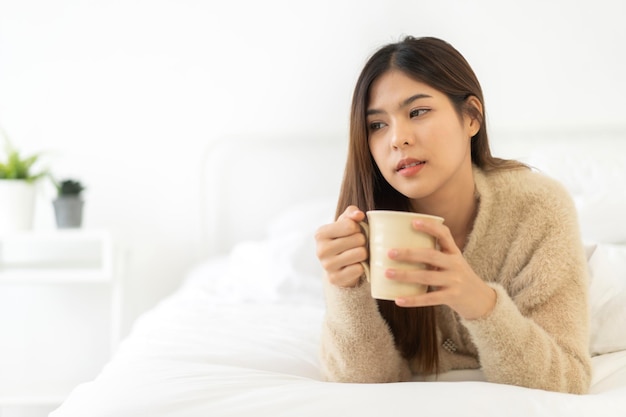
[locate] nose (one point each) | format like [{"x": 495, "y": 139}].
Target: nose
[{"x": 402, "y": 135}]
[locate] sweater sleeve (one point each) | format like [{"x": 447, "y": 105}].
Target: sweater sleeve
[
  {"x": 517, "y": 350},
  {"x": 357, "y": 344},
  {"x": 537, "y": 334}
]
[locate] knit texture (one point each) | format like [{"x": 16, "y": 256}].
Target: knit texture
[{"x": 525, "y": 244}]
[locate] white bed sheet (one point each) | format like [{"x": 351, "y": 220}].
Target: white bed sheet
[{"x": 197, "y": 354}]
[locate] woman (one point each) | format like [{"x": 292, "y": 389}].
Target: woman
[{"x": 508, "y": 288}]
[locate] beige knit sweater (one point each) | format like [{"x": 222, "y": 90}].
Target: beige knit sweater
[{"x": 526, "y": 245}]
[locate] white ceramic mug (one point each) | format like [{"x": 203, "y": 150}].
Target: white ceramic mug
[{"x": 388, "y": 230}]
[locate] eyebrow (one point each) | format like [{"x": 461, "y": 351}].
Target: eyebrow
[{"x": 405, "y": 103}]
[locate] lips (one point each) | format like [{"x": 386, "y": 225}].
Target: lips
[{"x": 408, "y": 163}]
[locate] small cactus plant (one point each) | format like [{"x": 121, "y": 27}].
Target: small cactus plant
[{"x": 69, "y": 187}]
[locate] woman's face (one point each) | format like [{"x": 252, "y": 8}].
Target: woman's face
[{"x": 418, "y": 140}]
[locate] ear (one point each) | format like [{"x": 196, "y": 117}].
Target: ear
[{"x": 474, "y": 115}]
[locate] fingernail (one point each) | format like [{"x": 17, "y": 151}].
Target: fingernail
[
  {"x": 400, "y": 301},
  {"x": 418, "y": 223},
  {"x": 390, "y": 273},
  {"x": 393, "y": 253}
]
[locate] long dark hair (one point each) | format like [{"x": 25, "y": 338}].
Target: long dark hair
[{"x": 436, "y": 63}]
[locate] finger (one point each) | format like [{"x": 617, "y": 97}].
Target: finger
[
  {"x": 439, "y": 231},
  {"x": 432, "y": 298},
  {"x": 345, "y": 225},
  {"x": 341, "y": 228},
  {"x": 425, "y": 277},
  {"x": 336, "y": 246},
  {"x": 348, "y": 276},
  {"x": 343, "y": 259},
  {"x": 431, "y": 257},
  {"x": 353, "y": 213}
]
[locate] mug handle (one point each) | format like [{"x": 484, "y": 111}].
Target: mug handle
[{"x": 365, "y": 265}]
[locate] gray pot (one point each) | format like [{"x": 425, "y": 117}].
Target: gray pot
[{"x": 68, "y": 211}]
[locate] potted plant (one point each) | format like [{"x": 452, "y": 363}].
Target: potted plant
[
  {"x": 68, "y": 206},
  {"x": 17, "y": 188}
]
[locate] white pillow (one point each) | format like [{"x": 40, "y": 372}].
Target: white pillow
[
  {"x": 607, "y": 299},
  {"x": 282, "y": 266},
  {"x": 594, "y": 176}
]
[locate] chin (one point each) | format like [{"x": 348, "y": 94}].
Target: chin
[{"x": 412, "y": 194}]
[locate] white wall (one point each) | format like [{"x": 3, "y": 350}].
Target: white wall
[{"x": 127, "y": 94}]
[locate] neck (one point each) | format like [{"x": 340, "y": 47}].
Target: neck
[{"x": 457, "y": 205}]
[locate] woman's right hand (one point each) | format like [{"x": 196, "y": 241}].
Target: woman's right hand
[{"x": 341, "y": 248}]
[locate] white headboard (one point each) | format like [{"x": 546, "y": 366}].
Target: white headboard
[
  {"x": 248, "y": 181},
  {"x": 592, "y": 166}
]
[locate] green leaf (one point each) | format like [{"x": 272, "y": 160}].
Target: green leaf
[{"x": 17, "y": 167}]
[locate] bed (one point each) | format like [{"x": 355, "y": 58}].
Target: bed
[{"x": 240, "y": 336}]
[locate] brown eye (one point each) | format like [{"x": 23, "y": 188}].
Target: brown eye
[
  {"x": 418, "y": 112},
  {"x": 376, "y": 125}
]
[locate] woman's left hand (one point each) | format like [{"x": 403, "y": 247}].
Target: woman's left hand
[{"x": 451, "y": 279}]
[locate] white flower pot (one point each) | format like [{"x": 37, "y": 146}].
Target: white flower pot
[{"x": 17, "y": 203}]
